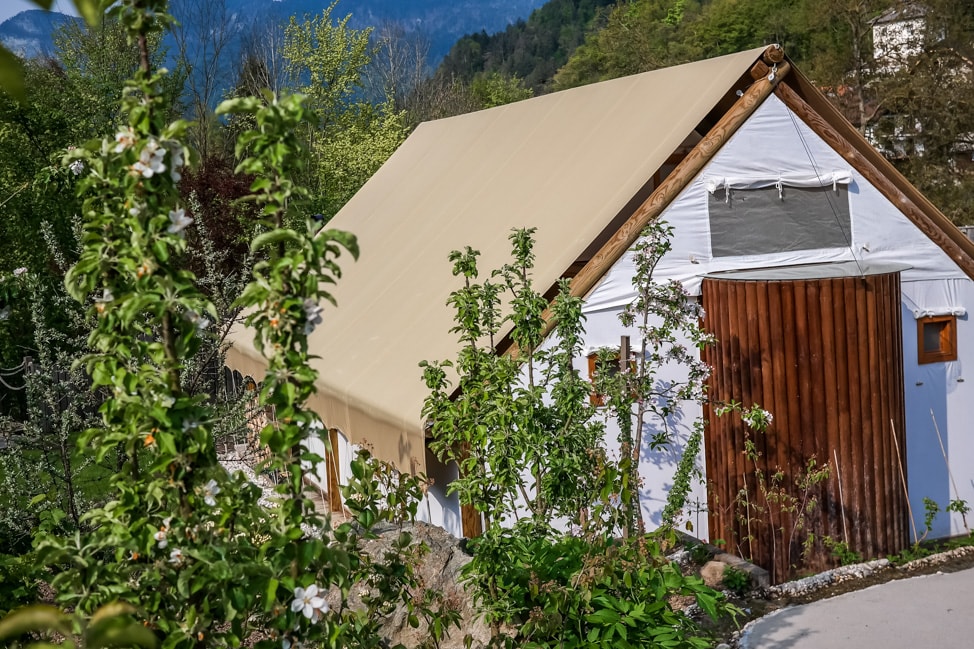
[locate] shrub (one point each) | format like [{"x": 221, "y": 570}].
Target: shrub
[{"x": 736, "y": 580}]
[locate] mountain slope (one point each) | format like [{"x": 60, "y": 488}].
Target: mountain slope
[
  {"x": 442, "y": 22},
  {"x": 30, "y": 32}
]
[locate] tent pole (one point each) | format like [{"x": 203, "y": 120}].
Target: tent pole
[{"x": 906, "y": 492}]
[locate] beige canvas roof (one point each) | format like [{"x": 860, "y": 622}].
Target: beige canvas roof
[{"x": 565, "y": 163}]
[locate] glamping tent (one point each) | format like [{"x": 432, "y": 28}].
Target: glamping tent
[{"x": 838, "y": 294}]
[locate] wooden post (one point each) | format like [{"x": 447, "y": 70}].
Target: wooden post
[
  {"x": 624, "y": 354},
  {"x": 906, "y": 491},
  {"x": 471, "y": 522},
  {"x": 331, "y": 462}
]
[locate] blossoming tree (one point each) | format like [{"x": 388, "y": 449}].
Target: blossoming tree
[{"x": 182, "y": 554}]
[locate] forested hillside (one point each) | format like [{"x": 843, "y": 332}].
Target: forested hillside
[
  {"x": 574, "y": 42},
  {"x": 531, "y": 50}
]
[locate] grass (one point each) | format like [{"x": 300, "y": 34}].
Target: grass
[{"x": 928, "y": 548}]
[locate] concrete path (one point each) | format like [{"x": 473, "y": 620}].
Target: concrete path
[{"x": 929, "y": 611}]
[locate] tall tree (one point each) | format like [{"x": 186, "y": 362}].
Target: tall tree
[
  {"x": 203, "y": 37},
  {"x": 326, "y": 60},
  {"x": 841, "y": 58},
  {"x": 400, "y": 63}
]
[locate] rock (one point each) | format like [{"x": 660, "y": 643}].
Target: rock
[
  {"x": 439, "y": 571},
  {"x": 712, "y": 573},
  {"x": 759, "y": 576},
  {"x": 935, "y": 559},
  {"x": 811, "y": 584}
]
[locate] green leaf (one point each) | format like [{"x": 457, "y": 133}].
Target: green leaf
[
  {"x": 622, "y": 631},
  {"x": 91, "y": 10},
  {"x": 182, "y": 583},
  {"x": 603, "y": 616},
  {"x": 123, "y": 636},
  {"x": 271, "y": 594},
  {"x": 111, "y": 610},
  {"x": 39, "y": 617},
  {"x": 708, "y": 603},
  {"x": 274, "y": 237},
  {"x": 161, "y": 250},
  {"x": 12, "y": 74}
]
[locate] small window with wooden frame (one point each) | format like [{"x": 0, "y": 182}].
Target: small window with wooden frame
[
  {"x": 936, "y": 339},
  {"x": 611, "y": 363}
]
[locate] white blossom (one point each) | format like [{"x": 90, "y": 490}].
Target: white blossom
[
  {"x": 162, "y": 535},
  {"x": 757, "y": 418},
  {"x": 210, "y": 490},
  {"x": 5, "y": 312},
  {"x": 309, "y": 603},
  {"x": 77, "y": 167},
  {"x": 150, "y": 160},
  {"x": 19, "y": 271},
  {"x": 197, "y": 320},
  {"x": 312, "y": 314},
  {"x": 124, "y": 139},
  {"x": 176, "y": 162},
  {"x": 179, "y": 221},
  {"x": 176, "y": 556}
]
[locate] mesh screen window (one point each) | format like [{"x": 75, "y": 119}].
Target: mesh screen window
[{"x": 763, "y": 221}]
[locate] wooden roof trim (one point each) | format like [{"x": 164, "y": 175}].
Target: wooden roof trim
[
  {"x": 833, "y": 128},
  {"x": 676, "y": 182},
  {"x": 821, "y": 116}
]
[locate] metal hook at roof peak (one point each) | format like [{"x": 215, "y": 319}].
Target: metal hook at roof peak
[
  {"x": 773, "y": 73},
  {"x": 774, "y": 53}
]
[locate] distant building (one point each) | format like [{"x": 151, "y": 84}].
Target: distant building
[
  {"x": 898, "y": 35},
  {"x": 901, "y": 35}
]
